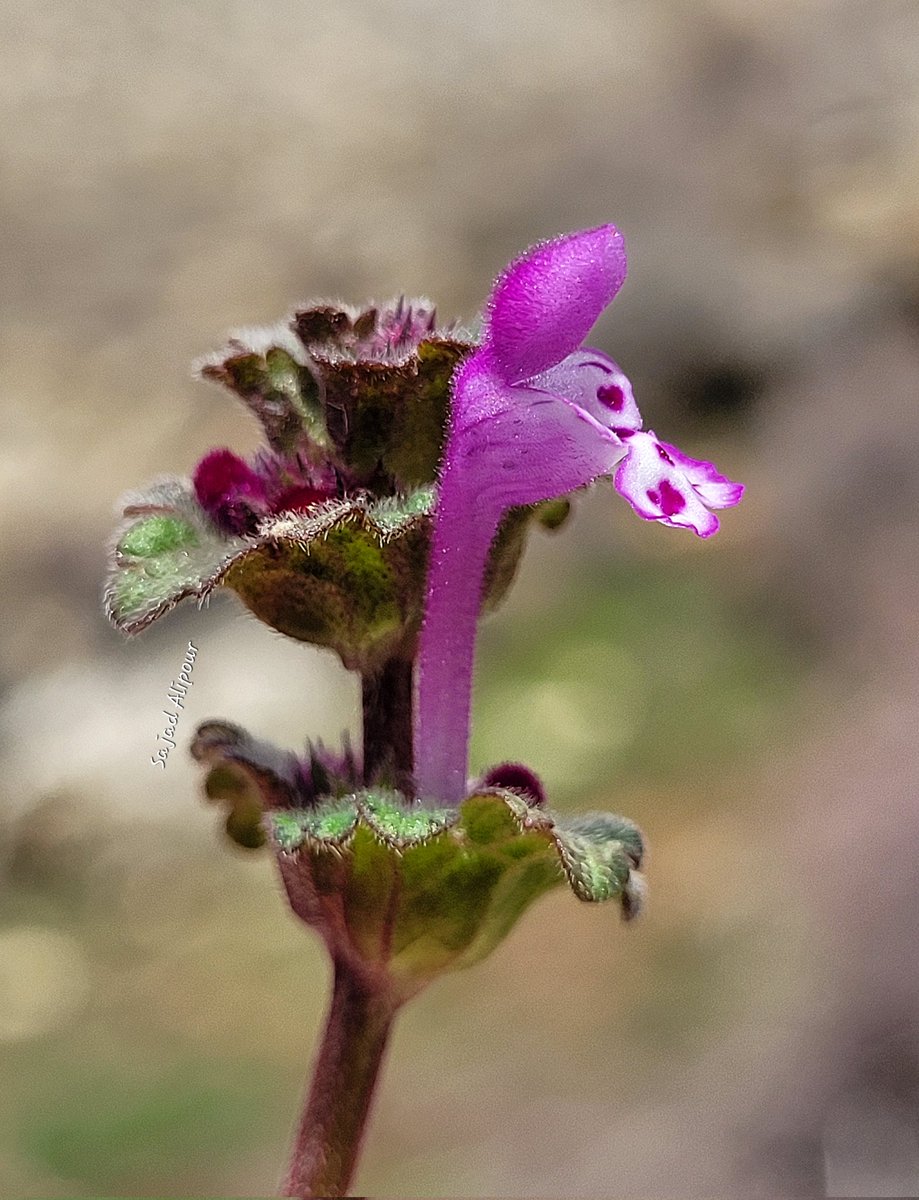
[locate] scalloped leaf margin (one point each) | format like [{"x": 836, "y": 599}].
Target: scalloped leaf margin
[
  {"x": 596, "y": 852},
  {"x": 167, "y": 549}
]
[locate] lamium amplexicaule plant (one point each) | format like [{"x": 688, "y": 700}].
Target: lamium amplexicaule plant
[{"x": 404, "y": 464}]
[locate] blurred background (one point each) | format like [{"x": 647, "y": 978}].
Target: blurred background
[{"x": 173, "y": 170}]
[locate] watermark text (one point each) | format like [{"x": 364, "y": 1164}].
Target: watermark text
[{"x": 176, "y": 694}]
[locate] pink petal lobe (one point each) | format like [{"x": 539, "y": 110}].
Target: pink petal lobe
[
  {"x": 658, "y": 489},
  {"x": 544, "y": 304},
  {"x": 595, "y": 383},
  {"x": 715, "y": 489}
]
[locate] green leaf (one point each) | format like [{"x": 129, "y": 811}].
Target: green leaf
[
  {"x": 604, "y": 828},
  {"x": 394, "y": 515},
  {"x": 419, "y": 891},
  {"x": 247, "y": 776},
  {"x": 165, "y": 551},
  {"x": 156, "y": 535},
  {"x": 400, "y": 824},
  {"x": 244, "y": 816},
  {"x": 463, "y": 892},
  {"x": 276, "y": 380},
  {"x": 390, "y": 413},
  {"x": 326, "y": 826},
  {"x": 597, "y": 852},
  {"x": 343, "y": 587},
  {"x": 348, "y": 574}
]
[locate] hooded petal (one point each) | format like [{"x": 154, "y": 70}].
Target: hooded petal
[
  {"x": 544, "y": 304},
  {"x": 596, "y": 384},
  {"x": 659, "y": 488}
]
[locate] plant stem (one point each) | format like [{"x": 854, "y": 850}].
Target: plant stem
[
  {"x": 338, "y": 1104},
  {"x": 387, "y": 704}
]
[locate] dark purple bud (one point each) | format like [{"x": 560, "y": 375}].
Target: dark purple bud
[
  {"x": 296, "y": 498},
  {"x": 515, "y": 777},
  {"x": 230, "y": 491},
  {"x": 321, "y": 324}
]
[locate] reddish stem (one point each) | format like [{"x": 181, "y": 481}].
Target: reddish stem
[
  {"x": 387, "y": 708},
  {"x": 339, "y": 1100}
]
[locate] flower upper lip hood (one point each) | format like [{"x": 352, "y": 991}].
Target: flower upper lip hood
[
  {"x": 535, "y": 415},
  {"x": 546, "y": 302}
]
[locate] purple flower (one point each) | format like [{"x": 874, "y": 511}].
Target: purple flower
[
  {"x": 534, "y": 416},
  {"x": 238, "y": 496}
]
